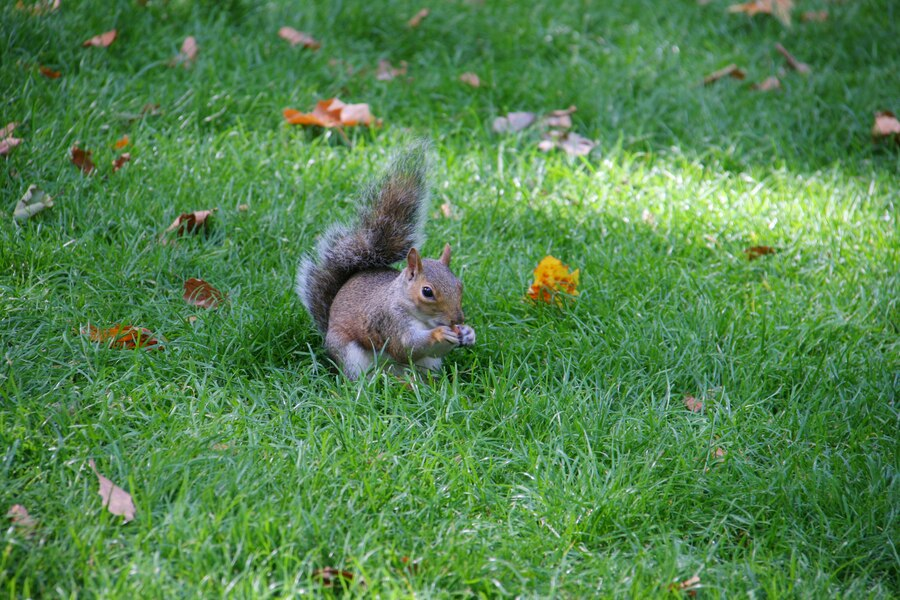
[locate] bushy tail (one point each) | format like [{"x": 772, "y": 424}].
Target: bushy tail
[{"x": 390, "y": 222}]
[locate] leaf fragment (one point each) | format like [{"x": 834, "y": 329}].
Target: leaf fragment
[
  {"x": 82, "y": 159},
  {"x": 569, "y": 142},
  {"x": 331, "y": 577},
  {"x": 332, "y": 113},
  {"x": 792, "y": 62},
  {"x": 417, "y": 18},
  {"x": 200, "y": 293},
  {"x": 123, "y": 336},
  {"x": 20, "y": 518},
  {"x": 191, "y": 222},
  {"x": 780, "y": 9},
  {"x": 121, "y": 142},
  {"x": 470, "y": 79},
  {"x": 688, "y": 585},
  {"x": 814, "y": 16},
  {"x": 731, "y": 70},
  {"x": 188, "y": 53},
  {"x": 386, "y": 71},
  {"x": 560, "y": 119},
  {"x": 693, "y": 404},
  {"x": 553, "y": 280},
  {"x": 38, "y": 8},
  {"x": 102, "y": 40},
  {"x": 49, "y": 73},
  {"x": 297, "y": 38},
  {"x": 8, "y": 144},
  {"x": 8, "y": 130},
  {"x": 754, "y": 252},
  {"x": 886, "y": 126},
  {"x": 33, "y": 202},
  {"x": 514, "y": 122},
  {"x": 769, "y": 84},
  {"x": 115, "y": 499},
  {"x": 119, "y": 162}
]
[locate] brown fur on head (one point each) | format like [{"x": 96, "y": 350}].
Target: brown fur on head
[{"x": 433, "y": 289}]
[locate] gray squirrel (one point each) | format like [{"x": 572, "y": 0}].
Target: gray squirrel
[{"x": 365, "y": 308}]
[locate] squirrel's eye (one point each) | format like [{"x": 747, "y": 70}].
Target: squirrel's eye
[{"x": 426, "y": 291}]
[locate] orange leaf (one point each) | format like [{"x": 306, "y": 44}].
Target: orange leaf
[
  {"x": 298, "y": 37},
  {"x": 470, "y": 79},
  {"x": 201, "y": 293},
  {"x": 123, "y": 336},
  {"x": 551, "y": 279},
  {"x": 82, "y": 159},
  {"x": 731, "y": 70},
  {"x": 103, "y": 40},
  {"x": 332, "y": 113},
  {"x": 121, "y": 142},
  {"x": 886, "y": 125},
  {"x": 190, "y": 222},
  {"x": 49, "y": 73},
  {"x": 120, "y": 162},
  {"x": 693, "y": 404},
  {"x": 417, "y": 18},
  {"x": 755, "y": 252}
]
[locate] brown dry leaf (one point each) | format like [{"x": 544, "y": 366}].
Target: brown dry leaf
[
  {"x": 769, "y": 84},
  {"x": 82, "y": 159},
  {"x": 8, "y": 130},
  {"x": 387, "y": 72},
  {"x": 115, "y": 499},
  {"x": 560, "y": 119},
  {"x": 8, "y": 143},
  {"x": 332, "y": 113},
  {"x": 49, "y": 73},
  {"x": 814, "y": 16},
  {"x": 123, "y": 336},
  {"x": 33, "y": 202},
  {"x": 331, "y": 577},
  {"x": 719, "y": 453},
  {"x": 792, "y": 62},
  {"x": 688, "y": 585},
  {"x": 102, "y": 41},
  {"x": 470, "y": 79},
  {"x": 886, "y": 126},
  {"x": 191, "y": 222},
  {"x": 754, "y": 252},
  {"x": 38, "y": 8},
  {"x": 188, "y": 53},
  {"x": 121, "y": 142},
  {"x": 296, "y": 38},
  {"x": 200, "y": 293},
  {"x": 780, "y": 9},
  {"x": 569, "y": 142},
  {"x": 417, "y": 18},
  {"x": 514, "y": 122},
  {"x": 120, "y": 162},
  {"x": 693, "y": 404},
  {"x": 19, "y": 516},
  {"x": 731, "y": 70}
]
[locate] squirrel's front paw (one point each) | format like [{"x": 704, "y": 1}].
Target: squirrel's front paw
[
  {"x": 466, "y": 335},
  {"x": 446, "y": 335}
]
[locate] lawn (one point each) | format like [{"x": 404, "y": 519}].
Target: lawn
[{"x": 556, "y": 458}]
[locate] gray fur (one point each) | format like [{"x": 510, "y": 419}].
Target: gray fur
[{"x": 390, "y": 221}]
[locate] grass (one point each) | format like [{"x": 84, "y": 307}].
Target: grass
[{"x": 556, "y": 458}]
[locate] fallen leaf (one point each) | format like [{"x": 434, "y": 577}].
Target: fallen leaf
[
  {"x": 560, "y": 119},
  {"x": 49, "y": 73},
  {"x": 719, "y": 453},
  {"x": 243, "y": 207},
  {"x": 755, "y": 252},
  {"x": 447, "y": 210},
  {"x": 331, "y": 577},
  {"x": 793, "y": 62},
  {"x": 123, "y": 336},
  {"x": 200, "y": 293},
  {"x": 115, "y": 499},
  {"x": 19, "y": 516},
  {"x": 190, "y": 222},
  {"x": 470, "y": 79},
  {"x": 82, "y": 159},
  {"x": 886, "y": 125},
  {"x": 417, "y": 18},
  {"x": 814, "y": 16},
  {"x": 514, "y": 122},
  {"x": 780, "y": 9},
  {"x": 121, "y": 142},
  {"x": 387, "y": 72},
  {"x": 552, "y": 279},
  {"x": 188, "y": 53},
  {"x": 768, "y": 84},
  {"x": 8, "y": 130},
  {"x": 8, "y": 144},
  {"x": 38, "y": 8},
  {"x": 119, "y": 162},
  {"x": 332, "y": 113},
  {"x": 693, "y": 404},
  {"x": 296, "y": 38},
  {"x": 33, "y": 202},
  {"x": 102, "y": 41},
  {"x": 569, "y": 142},
  {"x": 731, "y": 70},
  {"x": 688, "y": 585}
]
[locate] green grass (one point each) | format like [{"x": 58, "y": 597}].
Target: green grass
[{"x": 556, "y": 458}]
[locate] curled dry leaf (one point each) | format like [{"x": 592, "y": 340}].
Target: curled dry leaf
[
  {"x": 792, "y": 62},
  {"x": 569, "y": 142},
  {"x": 19, "y": 516},
  {"x": 33, "y": 202},
  {"x": 191, "y": 222},
  {"x": 560, "y": 119},
  {"x": 769, "y": 84},
  {"x": 188, "y": 53},
  {"x": 331, "y": 577},
  {"x": 470, "y": 79},
  {"x": 780, "y": 9},
  {"x": 754, "y": 252},
  {"x": 814, "y": 16},
  {"x": 82, "y": 159},
  {"x": 200, "y": 293},
  {"x": 552, "y": 279},
  {"x": 49, "y": 73},
  {"x": 297, "y": 38},
  {"x": 688, "y": 585},
  {"x": 121, "y": 142},
  {"x": 119, "y": 162},
  {"x": 886, "y": 126},
  {"x": 417, "y": 18},
  {"x": 693, "y": 404},
  {"x": 731, "y": 70},
  {"x": 101, "y": 41},
  {"x": 332, "y": 113},
  {"x": 514, "y": 122},
  {"x": 7, "y": 142},
  {"x": 123, "y": 336},
  {"x": 115, "y": 499},
  {"x": 387, "y": 72}
]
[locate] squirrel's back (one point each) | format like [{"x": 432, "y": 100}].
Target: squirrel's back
[{"x": 390, "y": 222}]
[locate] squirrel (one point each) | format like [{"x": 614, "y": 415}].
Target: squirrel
[{"x": 364, "y": 308}]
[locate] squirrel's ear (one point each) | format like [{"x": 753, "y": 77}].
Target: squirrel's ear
[
  {"x": 445, "y": 256},
  {"x": 413, "y": 263}
]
